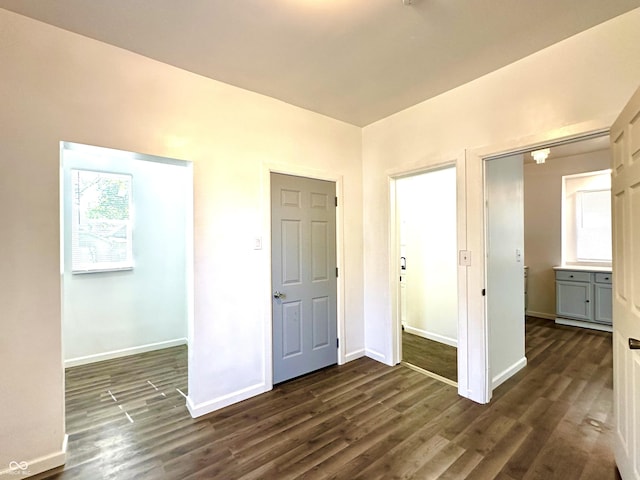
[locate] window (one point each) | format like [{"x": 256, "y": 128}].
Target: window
[
  {"x": 101, "y": 237},
  {"x": 586, "y": 211},
  {"x": 593, "y": 225}
]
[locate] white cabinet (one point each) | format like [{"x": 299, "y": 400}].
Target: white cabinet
[{"x": 583, "y": 298}]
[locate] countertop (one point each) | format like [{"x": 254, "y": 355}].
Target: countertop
[{"x": 583, "y": 268}]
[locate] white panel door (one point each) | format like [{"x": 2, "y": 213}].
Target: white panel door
[
  {"x": 505, "y": 269},
  {"x": 625, "y": 191},
  {"x": 303, "y": 276}
]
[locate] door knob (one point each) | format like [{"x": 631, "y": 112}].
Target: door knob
[
  {"x": 278, "y": 294},
  {"x": 634, "y": 344}
]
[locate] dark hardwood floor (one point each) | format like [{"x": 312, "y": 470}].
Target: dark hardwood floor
[
  {"x": 362, "y": 420},
  {"x": 432, "y": 356}
]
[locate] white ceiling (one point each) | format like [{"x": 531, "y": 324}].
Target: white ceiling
[{"x": 353, "y": 60}]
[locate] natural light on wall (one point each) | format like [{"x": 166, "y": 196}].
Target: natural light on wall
[
  {"x": 326, "y": 5},
  {"x": 586, "y": 217},
  {"x": 101, "y": 227}
]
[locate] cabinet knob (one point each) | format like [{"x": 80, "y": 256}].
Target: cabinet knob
[{"x": 587, "y": 301}]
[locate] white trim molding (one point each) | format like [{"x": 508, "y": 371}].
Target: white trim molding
[
  {"x": 547, "y": 316},
  {"x": 452, "y": 342},
  {"x": 197, "y": 410},
  {"x": 508, "y": 373},
  {"x": 20, "y": 468},
  {"x": 354, "y": 355},
  {"x": 430, "y": 374},
  {"x": 578, "y": 323},
  {"x": 378, "y": 356},
  {"x": 124, "y": 352}
]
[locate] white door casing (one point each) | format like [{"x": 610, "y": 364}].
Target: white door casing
[
  {"x": 625, "y": 201},
  {"x": 470, "y": 370},
  {"x": 303, "y": 275}
]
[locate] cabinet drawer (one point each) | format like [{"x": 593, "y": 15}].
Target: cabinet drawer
[
  {"x": 573, "y": 275},
  {"x": 603, "y": 278}
]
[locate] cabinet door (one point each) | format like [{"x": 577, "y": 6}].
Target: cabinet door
[
  {"x": 573, "y": 300},
  {"x": 603, "y": 303}
]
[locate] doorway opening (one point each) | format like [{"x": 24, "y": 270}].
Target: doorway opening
[
  {"x": 520, "y": 277},
  {"x": 426, "y": 232},
  {"x": 127, "y": 266}
]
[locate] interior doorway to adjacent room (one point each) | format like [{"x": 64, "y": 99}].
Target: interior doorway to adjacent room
[
  {"x": 426, "y": 227},
  {"x": 127, "y": 261}
]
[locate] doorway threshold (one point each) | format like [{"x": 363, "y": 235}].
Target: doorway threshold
[{"x": 430, "y": 374}]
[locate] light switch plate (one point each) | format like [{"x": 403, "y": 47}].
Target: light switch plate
[
  {"x": 257, "y": 243},
  {"x": 464, "y": 258}
]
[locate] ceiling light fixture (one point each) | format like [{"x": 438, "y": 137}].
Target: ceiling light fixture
[{"x": 540, "y": 156}]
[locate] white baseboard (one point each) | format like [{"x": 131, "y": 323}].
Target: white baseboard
[
  {"x": 99, "y": 357},
  {"x": 548, "y": 316},
  {"x": 378, "y": 356},
  {"x": 508, "y": 373},
  {"x": 432, "y": 336},
  {"x": 20, "y": 468},
  {"x": 579, "y": 323},
  {"x": 197, "y": 410},
  {"x": 354, "y": 355}
]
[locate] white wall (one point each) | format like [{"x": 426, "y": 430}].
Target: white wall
[
  {"x": 60, "y": 86},
  {"x": 505, "y": 267},
  {"x": 110, "y": 314},
  {"x": 576, "y": 85},
  {"x": 427, "y": 213},
  {"x": 543, "y": 223}
]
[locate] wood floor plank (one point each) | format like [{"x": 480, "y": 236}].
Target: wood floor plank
[
  {"x": 496, "y": 458},
  {"x": 429, "y": 355},
  {"x": 543, "y": 422},
  {"x": 406, "y": 458},
  {"x": 439, "y": 463},
  {"x": 127, "y": 419},
  {"x": 462, "y": 467}
]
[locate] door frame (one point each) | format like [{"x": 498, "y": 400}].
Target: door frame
[
  {"x": 299, "y": 171},
  {"x": 480, "y": 388},
  {"x": 457, "y": 161}
]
